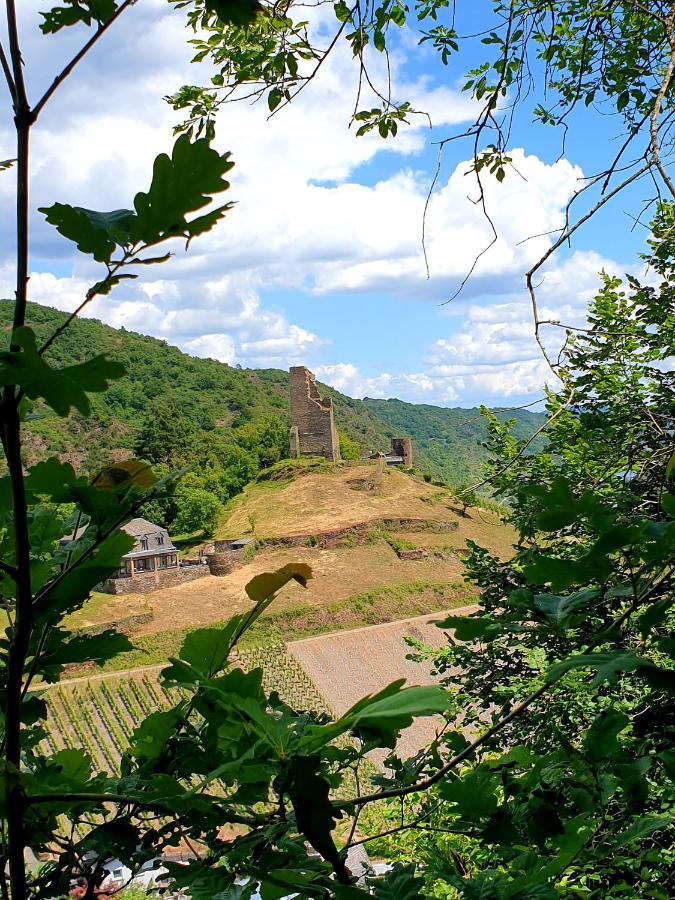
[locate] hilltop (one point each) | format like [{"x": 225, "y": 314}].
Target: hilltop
[
  {"x": 320, "y": 498},
  {"x": 215, "y": 397},
  {"x": 355, "y": 526}
]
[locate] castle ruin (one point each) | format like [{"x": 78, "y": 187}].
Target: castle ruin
[
  {"x": 402, "y": 447},
  {"x": 313, "y": 431}
]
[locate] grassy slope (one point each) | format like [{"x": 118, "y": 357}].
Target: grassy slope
[
  {"x": 359, "y": 581},
  {"x": 212, "y": 395},
  {"x": 315, "y": 503}
]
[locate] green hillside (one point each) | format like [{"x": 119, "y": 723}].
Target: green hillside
[
  {"x": 219, "y": 402},
  {"x": 209, "y": 394},
  {"x": 448, "y": 440}
]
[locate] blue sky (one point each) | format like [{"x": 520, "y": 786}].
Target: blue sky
[{"x": 320, "y": 262}]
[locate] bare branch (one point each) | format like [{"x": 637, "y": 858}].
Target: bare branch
[
  {"x": 65, "y": 72},
  {"x": 8, "y": 73}
]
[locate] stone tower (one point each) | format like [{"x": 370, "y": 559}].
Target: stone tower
[
  {"x": 403, "y": 447},
  {"x": 313, "y": 431}
]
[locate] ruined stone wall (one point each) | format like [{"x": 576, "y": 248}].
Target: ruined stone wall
[
  {"x": 224, "y": 559},
  {"x": 313, "y": 431},
  {"x": 403, "y": 447}
]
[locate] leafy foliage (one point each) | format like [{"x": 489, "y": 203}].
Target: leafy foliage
[{"x": 573, "y": 792}]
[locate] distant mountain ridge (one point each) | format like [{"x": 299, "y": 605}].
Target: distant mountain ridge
[
  {"x": 449, "y": 438},
  {"x": 213, "y": 395}
]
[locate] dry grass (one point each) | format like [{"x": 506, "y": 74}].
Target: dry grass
[
  {"x": 316, "y": 503},
  {"x": 338, "y": 574},
  {"x": 312, "y": 504}
]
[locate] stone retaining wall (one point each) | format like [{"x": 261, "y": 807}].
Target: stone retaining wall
[{"x": 154, "y": 581}]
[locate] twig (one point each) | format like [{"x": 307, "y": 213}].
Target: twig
[
  {"x": 669, "y": 26},
  {"x": 516, "y": 711},
  {"x": 65, "y": 72},
  {"x": 8, "y": 74}
]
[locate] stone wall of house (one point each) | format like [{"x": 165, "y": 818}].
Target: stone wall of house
[
  {"x": 313, "y": 431},
  {"x": 154, "y": 581},
  {"x": 403, "y": 447}
]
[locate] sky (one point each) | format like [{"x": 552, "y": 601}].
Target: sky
[{"x": 320, "y": 262}]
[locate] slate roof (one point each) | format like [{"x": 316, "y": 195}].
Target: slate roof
[
  {"x": 141, "y": 527},
  {"x": 136, "y": 528}
]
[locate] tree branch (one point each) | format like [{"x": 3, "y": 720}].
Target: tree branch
[
  {"x": 516, "y": 711},
  {"x": 8, "y": 74},
  {"x": 65, "y": 72}
]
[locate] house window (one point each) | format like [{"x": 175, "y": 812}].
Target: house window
[
  {"x": 144, "y": 543},
  {"x": 160, "y": 540}
]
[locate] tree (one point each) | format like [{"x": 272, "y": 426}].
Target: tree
[
  {"x": 226, "y": 754},
  {"x": 593, "y": 595},
  {"x": 267, "y": 438},
  {"x": 196, "y": 510},
  {"x": 576, "y": 794},
  {"x": 349, "y": 449},
  {"x": 164, "y": 434}
]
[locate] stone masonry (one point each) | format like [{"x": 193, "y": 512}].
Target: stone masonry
[
  {"x": 313, "y": 431},
  {"x": 403, "y": 447}
]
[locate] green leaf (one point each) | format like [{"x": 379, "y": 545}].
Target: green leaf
[
  {"x": 96, "y": 233},
  {"x": 74, "y": 12},
  {"x": 62, "y": 389},
  {"x": 607, "y": 665},
  {"x": 471, "y": 628},
  {"x": 207, "y": 649},
  {"x": 234, "y": 12},
  {"x": 475, "y": 794},
  {"x": 274, "y": 98},
  {"x": 659, "y": 678},
  {"x": 342, "y": 13},
  {"x": 641, "y": 828},
  {"x": 181, "y": 183},
  {"x": 315, "y": 814},
  {"x": 379, "y": 718},
  {"x": 71, "y": 589},
  {"x": 62, "y": 648},
  {"x": 654, "y": 616},
  {"x": 149, "y": 740},
  {"x": 670, "y": 468},
  {"x": 601, "y": 738},
  {"x": 268, "y": 583},
  {"x": 51, "y": 478},
  {"x": 399, "y": 884},
  {"x": 559, "y": 609}
]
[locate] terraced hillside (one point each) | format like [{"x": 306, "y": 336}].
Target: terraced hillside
[
  {"x": 99, "y": 714},
  {"x": 350, "y": 525}
]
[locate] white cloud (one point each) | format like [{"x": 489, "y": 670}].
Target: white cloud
[
  {"x": 306, "y": 219},
  {"x": 213, "y": 346},
  {"x": 345, "y": 377}
]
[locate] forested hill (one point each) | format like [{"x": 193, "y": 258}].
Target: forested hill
[
  {"x": 449, "y": 439},
  {"x": 209, "y": 397}
]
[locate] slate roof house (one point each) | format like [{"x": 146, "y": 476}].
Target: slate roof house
[
  {"x": 152, "y": 552},
  {"x": 150, "y": 564}
]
